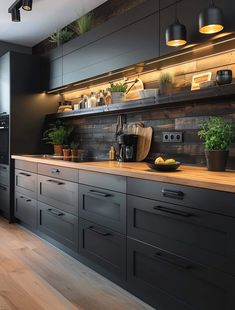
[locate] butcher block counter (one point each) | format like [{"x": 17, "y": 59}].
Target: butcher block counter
[{"x": 185, "y": 175}]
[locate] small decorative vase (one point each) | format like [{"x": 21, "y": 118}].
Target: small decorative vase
[
  {"x": 58, "y": 150},
  {"x": 224, "y": 77},
  {"x": 117, "y": 97},
  {"x": 74, "y": 153},
  {"x": 66, "y": 152},
  {"x": 216, "y": 160},
  {"x": 165, "y": 89}
]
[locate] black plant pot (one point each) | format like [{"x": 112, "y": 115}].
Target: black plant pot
[
  {"x": 224, "y": 77},
  {"x": 216, "y": 160}
]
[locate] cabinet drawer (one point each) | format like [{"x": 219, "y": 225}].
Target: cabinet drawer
[
  {"x": 26, "y": 183},
  {"x": 26, "y": 165},
  {"x": 26, "y": 209},
  {"x": 103, "y": 207},
  {"x": 59, "y": 225},
  {"x": 104, "y": 247},
  {"x": 58, "y": 193},
  {"x": 58, "y": 172},
  {"x": 103, "y": 180},
  {"x": 4, "y": 199},
  {"x": 204, "y": 199},
  {"x": 4, "y": 175},
  {"x": 204, "y": 237},
  {"x": 168, "y": 281}
]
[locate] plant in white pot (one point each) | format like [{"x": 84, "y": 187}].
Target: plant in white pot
[
  {"x": 166, "y": 82},
  {"x": 217, "y": 136},
  {"x": 118, "y": 90}
]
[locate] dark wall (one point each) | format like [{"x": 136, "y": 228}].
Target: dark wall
[
  {"x": 8, "y": 47},
  {"x": 96, "y": 134}
]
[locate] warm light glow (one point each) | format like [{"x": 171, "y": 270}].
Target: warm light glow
[
  {"x": 210, "y": 29},
  {"x": 26, "y": 8},
  {"x": 176, "y": 42}
]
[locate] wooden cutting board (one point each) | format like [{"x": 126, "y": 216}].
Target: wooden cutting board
[{"x": 144, "y": 140}]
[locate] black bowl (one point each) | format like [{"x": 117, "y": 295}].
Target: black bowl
[{"x": 163, "y": 167}]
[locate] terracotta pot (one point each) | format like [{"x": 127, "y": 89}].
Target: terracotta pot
[
  {"x": 74, "y": 153},
  {"x": 216, "y": 160},
  {"x": 58, "y": 150},
  {"x": 166, "y": 88},
  {"x": 66, "y": 152}
]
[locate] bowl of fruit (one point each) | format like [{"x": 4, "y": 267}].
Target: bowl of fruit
[{"x": 160, "y": 164}]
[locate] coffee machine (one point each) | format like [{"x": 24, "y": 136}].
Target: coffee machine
[{"x": 127, "y": 147}]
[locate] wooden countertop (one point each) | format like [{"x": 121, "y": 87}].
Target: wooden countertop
[{"x": 186, "y": 175}]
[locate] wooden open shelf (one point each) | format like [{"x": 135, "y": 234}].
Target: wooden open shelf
[{"x": 209, "y": 94}]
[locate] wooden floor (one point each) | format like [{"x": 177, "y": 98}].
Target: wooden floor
[{"x": 34, "y": 275}]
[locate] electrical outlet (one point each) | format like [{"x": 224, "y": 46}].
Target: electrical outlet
[{"x": 172, "y": 136}]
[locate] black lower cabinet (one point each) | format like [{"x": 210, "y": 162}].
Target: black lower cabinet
[
  {"x": 103, "y": 247},
  {"x": 26, "y": 210},
  {"x": 168, "y": 281},
  {"x": 4, "y": 200},
  {"x": 58, "y": 225}
]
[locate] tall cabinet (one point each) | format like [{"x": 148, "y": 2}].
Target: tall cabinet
[{"x": 22, "y": 99}]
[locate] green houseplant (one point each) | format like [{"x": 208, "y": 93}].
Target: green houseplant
[
  {"x": 57, "y": 135},
  {"x": 74, "y": 149},
  {"x": 217, "y": 136},
  {"x": 61, "y": 36},
  {"x": 118, "y": 90},
  {"x": 166, "y": 81},
  {"x": 83, "y": 24}
]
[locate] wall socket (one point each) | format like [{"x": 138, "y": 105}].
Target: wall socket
[{"x": 172, "y": 136}]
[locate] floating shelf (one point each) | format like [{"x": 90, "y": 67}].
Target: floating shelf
[{"x": 212, "y": 93}]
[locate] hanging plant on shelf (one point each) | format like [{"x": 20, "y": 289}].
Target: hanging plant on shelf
[
  {"x": 83, "y": 24},
  {"x": 61, "y": 36}
]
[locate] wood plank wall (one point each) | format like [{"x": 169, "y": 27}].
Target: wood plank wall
[{"x": 96, "y": 134}]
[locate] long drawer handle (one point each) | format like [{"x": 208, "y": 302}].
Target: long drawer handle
[
  {"x": 55, "y": 212},
  {"x": 25, "y": 174},
  {"x": 173, "y": 211},
  {"x": 182, "y": 263},
  {"x": 99, "y": 193},
  {"x": 26, "y": 199},
  {"x": 99, "y": 232},
  {"x": 172, "y": 194},
  {"x": 56, "y": 182},
  {"x": 55, "y": 171},
  {"x": 3, "y": 188}
]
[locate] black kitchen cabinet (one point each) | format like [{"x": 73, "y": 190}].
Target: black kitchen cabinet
[
  {"x": 4, "y": 200},
  {"x": 103, "y": 247},
  {"x": 172, "y": 282},
  {"x": 58, "y": 172},
  {"x": 4, "y": 84},
  {"x": 58, "y": 193},
  {"x": 26, "y": 183},
  {"x": 4, "y": 175},
  {"x": 58, "y": 225},
  {"x": 26, "y": 210},
  {"x": 104, "y": 207}
]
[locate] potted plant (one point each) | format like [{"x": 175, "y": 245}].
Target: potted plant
[
  {"x": 83, "y": 24},
  {"x": 61, "y": 36},
  {"x": 74, "y": 149},
  {"x": 166, "y": 81},
  {"x": 217, "y": 136},
  {"x": 118, "y": 90},
  {"x": 66, "y": 151},
  {"x": 57, "y": 135}
]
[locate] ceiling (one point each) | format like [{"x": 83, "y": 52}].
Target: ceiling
[{"x": 46, "y": 17}]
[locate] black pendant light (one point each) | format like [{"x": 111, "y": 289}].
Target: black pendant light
[
  {"x": 211, "y": 20},
  {"x": 15, "y": 15},
  {"x": 27, "y": 5},
  {"x": 176, "y": 33}
]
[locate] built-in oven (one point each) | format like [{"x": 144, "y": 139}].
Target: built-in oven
[{"x": 4, "y": 139}]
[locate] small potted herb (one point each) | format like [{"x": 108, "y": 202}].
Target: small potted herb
[
  {"x": 74, "y": 149},
  {"x": 166, "y": 83},
  {"x": 118, "y": 90},
  {"x": 66, "y": 151},
  {"x": 57, "y": 135},
  {"x": 217, "y": 136}
]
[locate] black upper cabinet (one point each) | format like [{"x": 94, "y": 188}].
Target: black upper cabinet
[
  {"x": 4, "y": 84},
  {"x": 165, "y": 3}
]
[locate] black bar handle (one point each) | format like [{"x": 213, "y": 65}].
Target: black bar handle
[
  {"x": 98, "y": 193},
  {"x": 28, "y": 200},
  {"x": 25, "y": 174},
  {"x": 55, "y": 171},
  {"x": 99, "y": 232},
  {"x": 172, "y": 194},
  {"x": 3, "y": 167},
  {"x": 56, "y": 182},
  {"x": 173, "y": 211},
  {"x": 3, "y": 188},
  {"x": 173, "y": 261},
  {"x": 55, "y": 212}
]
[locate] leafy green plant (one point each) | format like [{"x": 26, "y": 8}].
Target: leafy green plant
[
  {"x": 74, "y": 145},
  {"x": 216, "y": 134},
  {"x": 57, "y": 134},
  {"x": 61, "y": 36},
  {"x": 166, "y": 78},
  {"x": 65, "y": 147},
  {"x": 83, "y": 24},
  {"x": 118, "y": 88}
]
